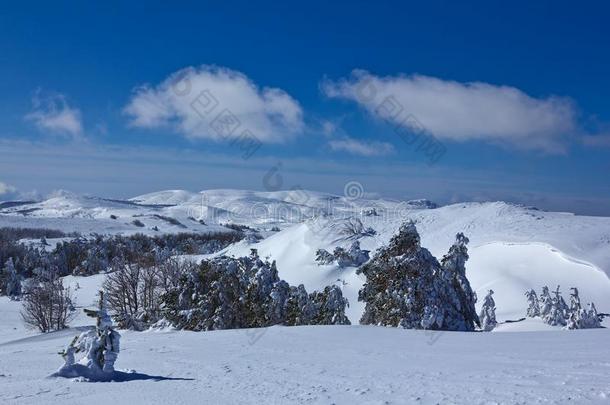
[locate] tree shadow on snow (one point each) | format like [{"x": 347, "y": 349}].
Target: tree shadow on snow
[{"x": 89, "y": 375}]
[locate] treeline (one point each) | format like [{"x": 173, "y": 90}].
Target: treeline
[
  {"x": 14, "y": 234},
  {"x": 93, "y": 254}
]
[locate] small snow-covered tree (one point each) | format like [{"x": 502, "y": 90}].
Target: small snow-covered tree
[
  {"x": 12, "y": 280},
  {"x": 533, "y": 307},
  {"x": 575, "y": 320},
  {"x": 98, "y": 347},
  {"x": 488, "y": 313},
  {"x": 545, "y": 302},
  {"x": 579, "y": 317},
  {"x": 558, "y": 310},
  {"x": 460, "y": 293},
  {"x": 323, "y": 257},
  {"x": 357, "y": 256},
  {"x": 592, "y": 317},
  {"x": 300, "y": 310},
  {"x": 331, "y": 306},
  {"x": 353, "y": 257}
]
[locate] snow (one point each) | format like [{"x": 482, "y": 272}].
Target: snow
[
  {"x": 512, "y": 249},
  {"x": 337, "y": 364}
]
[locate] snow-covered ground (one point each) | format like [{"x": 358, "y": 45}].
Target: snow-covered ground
[
  {"x": 512, "y": 249},
  {"x": 323, "y": 365}
]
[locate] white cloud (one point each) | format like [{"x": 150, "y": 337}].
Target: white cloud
[
  {"x": 190, "y": 100},
  {"x": 54, "y": 115},
  {"x": 10, "y": 193},
  {"x": 462, "y": 111},
  {"x": 356, "y": 147},
  {"x": 6, "y": 189}
]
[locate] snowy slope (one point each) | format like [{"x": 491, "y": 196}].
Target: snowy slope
[
  {"x": 512, "y": 248},
  {"x": 322, "y": 365}
]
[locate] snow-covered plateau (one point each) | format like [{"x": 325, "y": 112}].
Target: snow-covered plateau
[{"x": 512, "y": 249}]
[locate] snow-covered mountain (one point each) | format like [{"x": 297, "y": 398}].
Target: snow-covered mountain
[{"x": 512, "y": 247}]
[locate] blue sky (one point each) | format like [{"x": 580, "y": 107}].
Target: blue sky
[{"x": 93, "y": 99}]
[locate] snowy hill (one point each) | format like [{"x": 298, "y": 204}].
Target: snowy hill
[{"x": 512, "y": 248}]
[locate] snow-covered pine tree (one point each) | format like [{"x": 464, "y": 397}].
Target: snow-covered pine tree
[
  {"x": 354, "y": 256},
  {"x": 488, "y": 313},
  {"x": 12, "y": 280},
  {"x": 404, "y": 286},
  {"x": 533, "y": 308},
  {"x": 300, "y": 310},
  {"x": 323, "y": 257},
  {"x": 575, "y": 320},
  {"x": 453, "y": 267},
  {"x": 230, "y": 293},
  {"x": 330, "y": 305},
  {"x": 558, "y": 311},
  {"x": 99, "y": 347},
  {"x": 592, "y": 317},
  {"x": 546, "y": 302},
  {"x": 579, "y": 317}
]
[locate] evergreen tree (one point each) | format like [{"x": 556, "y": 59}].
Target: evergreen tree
[
  {"x": 406, "y": 286},
  {"x": 229, "y": 293},
  {"x": 488, "y": 313},
  {"x": 579, "y": 317},
  {"x": 353, "y": 257},
  {"x": 330, "y": 305},
  {"x": 453, "y": 266},
  {"x": 300, "y": 310},
  {"x": 593, "y": 317},
  {"x": 12, "y": 280},
  {"x": 575, "y": 320},
  {"x": 324, "y": 257},
  {"x": 546, "y": 302},
  {"x": 558, "y": 312},
  {"x": 533, "y": 308}
]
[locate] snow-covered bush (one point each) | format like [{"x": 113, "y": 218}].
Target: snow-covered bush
[
  {"x": 230, "y": 293},
  {"x": 488, "y": 313},
  {"x": 353, "y": 228},
  {"x": 406, "y": 286},
  {"x": 93, "y": 353},
  {"x": 353, "y": 257},
  {"x": 369, "y": 212},
  {"x": 48, "y": 306}
]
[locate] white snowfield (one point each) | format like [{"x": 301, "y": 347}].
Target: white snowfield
[
  {"x": 322, "y": 365},
  {"x": 512, "y": 249}
]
